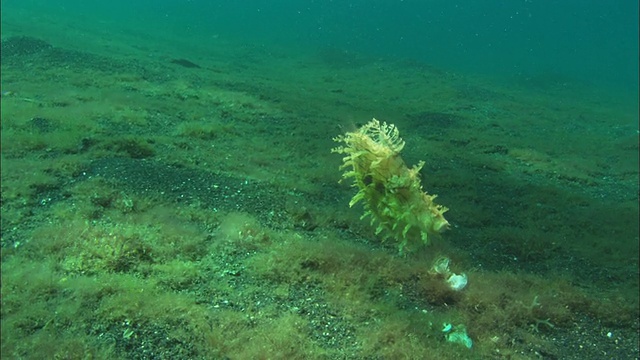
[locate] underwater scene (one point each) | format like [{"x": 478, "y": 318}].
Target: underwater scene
[{"x": 319, "y": 180}]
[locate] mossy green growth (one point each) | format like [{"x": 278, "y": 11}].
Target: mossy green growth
[{"x": 391, "y": 192}]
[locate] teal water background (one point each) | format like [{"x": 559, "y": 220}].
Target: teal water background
[{"x": 588, "y": 41}]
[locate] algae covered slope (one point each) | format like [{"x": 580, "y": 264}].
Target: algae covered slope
[
  {"x": 197, "y": 210},
  {"x": 391, "y": 191}
]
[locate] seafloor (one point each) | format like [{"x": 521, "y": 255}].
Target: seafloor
[{"x": 176, "y": 198}]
